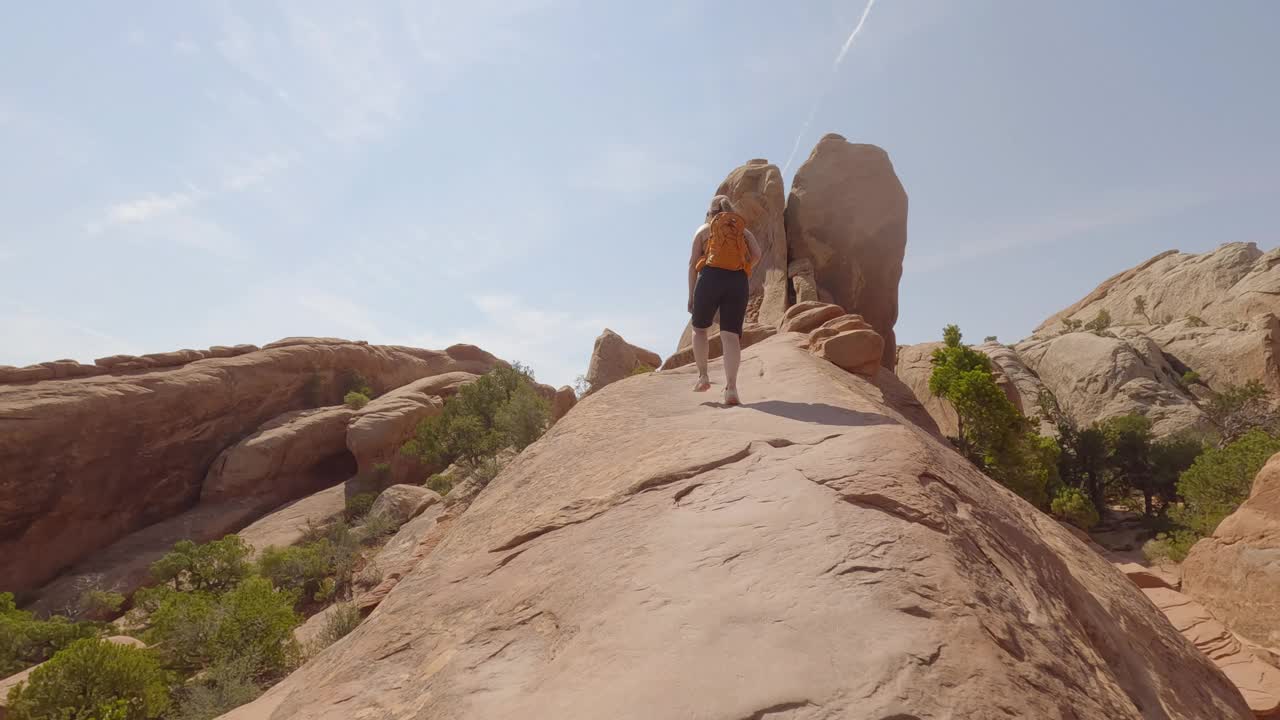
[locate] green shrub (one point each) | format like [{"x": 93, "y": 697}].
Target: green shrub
[
  {"x": 254, "y": 621},
  {"x": 1220, "y": 479},
  {"x": 358, "y": 505},
  {"x": 92, "y": 680},
  {"x": 441, "y": 483},
  {"x": 353, "y": 381},
  {"x": 213, "y": 567},
  {"x": 524, "y": 417},
  {"x": 498, "y": 410},
  {"x": 355, "y": 400},
  {"x": 340, "y": 621},
  {"x": 376, "y": 527},
  {"x": 301, "y": 568},
  {"x": 1071, "y": 325},
  {"x": 25, "y": 641},
  {"x": 1171, "y": 547},
  {"x": 219, "y": 690},
  {"x": 1100, "y": 322},
  {"x": 990, "y": 339},
  {"x": 1190, "y": 377},
  {"x": 1074, "y": 506},
  {"x": 641, "y": 370},
  {"x": 101, "y": 603},
  {"x": 1195, "y": 321}
]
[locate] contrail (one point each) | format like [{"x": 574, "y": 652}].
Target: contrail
[{"x": 835, "y": 66}]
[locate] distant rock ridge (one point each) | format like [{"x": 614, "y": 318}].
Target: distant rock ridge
[{"x": 84, "y": 462}]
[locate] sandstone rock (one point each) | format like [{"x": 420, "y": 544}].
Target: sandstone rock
[
  {"x": 221, "y": 351},
  {"x": 1096, "y": 377},
  {"x": 402, "y": 503},
  {"x": 400, "y": 554},
  {"x": 564, "y": 401},
  {"x": 756, "y": 191},
  {"x": 63, "y": 369},
  {"x": 125, "y": 565},
  {"x": 805, "y": 287},
  {"x": 289, "y": 524},
  {"x": 613, "y": 359},
  {"x": 170, "y": 359},
  {"x": 28, "y": 374},
  {"x": 1258, "y": 682},
  {"x": 809, "y": 318},
  {"x": 810, "y": 554},
  {"x": 12, "y": 681},
  {"x": 378, "y": 430},
  {"x": 847, "y": 213},
  {"x": 751, "y": 334},
  {"x": 1232, "y": 284},
  {"x": 291, "y": 456},
  {"x": 858, "y": 351},
  {"x": 914, "y": 368},
  {"x": 1022, "y": 386},
  {"x": 1224, "y": 356},
  {"x": 143, "y": 443},
  {"x": 1236, "y": 572}
]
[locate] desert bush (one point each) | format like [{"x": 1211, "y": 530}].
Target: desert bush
[
  {"x": 354, "y": 382},
  {"x": 255, "y": 620},
  {"x": 498, "y": 410},
  {"x": 301, "y": 568},
  {"x": 218, "y": 690},
  {"x": 441, "y": 483},
  {"x": 1072, "y": 505},
  {"x": 359, "y": 505},
  {"x": 1170, "y": 547},
  {"x": 1238, "y": 409},
  {"x": 376, "y": 527},
  {"x": 1100, "y": 322},
  {"x": 1071, "y": 325},
  {"x": 341, "y": 620},
  {"x": 355, "y": 400},
  {"x": 93, "y": 680},
  {"x": 641, "y": 370},
  {"x": 524, "y": 417},
  {"x": 101, "y": 603},
  {"x": 990, "y": 339},
  {"x": 1190, "y": 377},
  {"x": 1220, "y": 479},
  {"x": 26, "y": 641},
  {"x": 213, "y": 567},
  {"x": 1195, "y": 321}
]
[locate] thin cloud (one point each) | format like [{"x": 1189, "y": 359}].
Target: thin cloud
[
  {"x": 835, "y": 67},
  {"x": 145, "y": 209}
]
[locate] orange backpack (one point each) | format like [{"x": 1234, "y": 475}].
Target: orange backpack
[{"x": 726, "y": 245}]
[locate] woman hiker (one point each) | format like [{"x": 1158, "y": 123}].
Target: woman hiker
[{"x": 724, "y": 251}]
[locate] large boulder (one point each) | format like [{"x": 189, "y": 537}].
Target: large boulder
[
  {"x": 1233, "y": 284},
  {"x": 143, "y": 442},
  {"x": 1095, "y": 377},
  {"x": 1236, "y": 572},
  {"x": 563, "y": 402},
  {"x": 811, "y": 554},
  {"x": 613, "y": 359},
  {"x": 378, "y": 430},
  {"x": 914, "y": 368},
  {"x": 847, "y": 214},
  {"x": 756, "y": 190},
  {"x": 289, "y": 457},
  {"x": 858, "y": 351},
  {"x": 401, "y": 503},
  {"x": 751, "y": 334}
]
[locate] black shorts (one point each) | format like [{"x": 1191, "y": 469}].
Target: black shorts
[{"x": 723, "y": 290}]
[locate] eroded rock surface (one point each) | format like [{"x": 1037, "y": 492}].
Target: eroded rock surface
[{"x": 811, "y": 554}]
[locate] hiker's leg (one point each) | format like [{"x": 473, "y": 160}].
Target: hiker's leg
[
  {"x": 700, "y": 352},
  {"x": 732, "y": 358},
  {"x": 706, "y": 300},
  {"x": 733, "y": 311}
]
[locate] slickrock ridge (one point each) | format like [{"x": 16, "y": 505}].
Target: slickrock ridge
[{"x": 811, "y": 554}]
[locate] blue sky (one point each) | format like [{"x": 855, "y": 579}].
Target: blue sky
[{"x": 522, "y": 173}]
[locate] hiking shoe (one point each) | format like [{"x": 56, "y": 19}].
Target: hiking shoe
[
  {"x": 731, "y": 397},
  {"x": 703, "y": 384}
]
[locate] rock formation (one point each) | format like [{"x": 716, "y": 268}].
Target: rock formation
[
  {"x": 377, "y": 430},
  {"x": 756, "y": 191},
  {"x": 1236, "y": 572},
  {"x": 840, "y": 239},
  {"x": 1257, "y": 679},
  {"x": 751, "y": 334},
  {"x": 847, "y": 215},
  {"x": 84, "y": 462},
  {"x": 811, "y": 554},
  {"x": 613, "y": 359}
]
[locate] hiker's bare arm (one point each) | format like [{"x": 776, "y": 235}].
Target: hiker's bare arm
[
  {"x": 699, "y": 239},
  {"x": 754, "y": 248}
]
